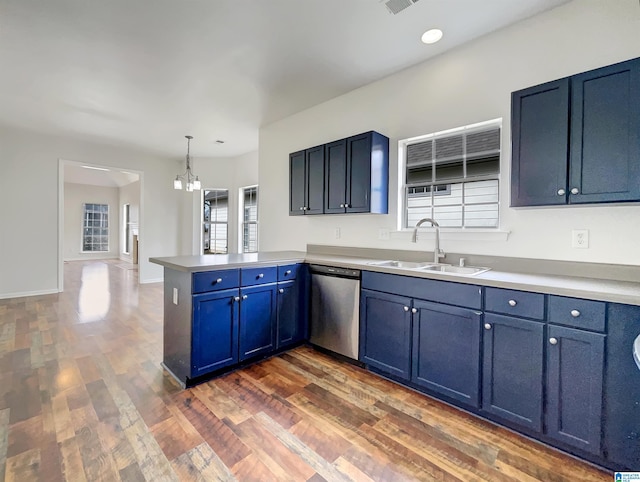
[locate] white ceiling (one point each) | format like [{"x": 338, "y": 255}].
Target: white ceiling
[{"x": 145, "y": 73}]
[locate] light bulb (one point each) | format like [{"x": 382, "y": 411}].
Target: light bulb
[
  {"x": 189, "y": 186},
  {"x": 196, "y": 184},
  {"x": 177, "y": 183}
]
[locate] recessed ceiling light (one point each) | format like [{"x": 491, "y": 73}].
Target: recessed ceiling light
[
  {"x": 432, "y": 36},
  {"x": 96, "y": 168},
  {"x": 219, "y": 142}
]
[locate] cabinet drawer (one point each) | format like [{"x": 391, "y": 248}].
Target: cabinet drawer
[
  {"x": 458, "y": 294},
  {"x": 215, "y": 280},
  {"x": 288, "y": 271},
  {"x": 578, "y": 313},
  {"x": 260, "y": 275},
  {"x": 516, "y": 303}
]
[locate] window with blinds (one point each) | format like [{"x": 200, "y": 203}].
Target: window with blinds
[
  {"x": 249, "y": 215},
  {"x": 453, "y": 177},
  {"x": 215, "y": 222}
]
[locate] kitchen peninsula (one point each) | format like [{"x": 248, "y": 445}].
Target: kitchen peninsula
[{"x": 542, "y": 347}]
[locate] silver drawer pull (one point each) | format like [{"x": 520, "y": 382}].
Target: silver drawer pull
[
  {"x": 487, "y": 326},
  {"x": 236, "y": 298},
  {"x": 575, "y": 313},
  {"x": 405, "y": 308},
  {"x": 414, "y": 310},
  {"x": 561, "y": 192},
  {"x": 219, "y": 280},
  {"x": 287, "y": 272},
  {"x": 553, "y": 341},
  {"x": 575, "y": 190},
  {"x": 341, "y": 205},
  {"x": 244, "y": 297},
  {"x": 281, "y": 291},
  {"x": 513, "y": 302},
  {"x": 261, "y": 275}
]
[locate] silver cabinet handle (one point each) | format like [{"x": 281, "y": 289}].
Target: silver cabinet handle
[
  {"x": 236, "y": 298},
  {"x": 287, "y": 272},
  {"x": 405, "y": 308},
  {"x": 347, "y": 205},
  {"x": 244, "y": 297},
  {"x": 261, "y": 275},
  {"x": 281, "y": 290},
  {"x": 342, "y": 205},
  {"x": 553, "y": 341},
  {"x": 414, "y": 310},
  {"x": 575, "y": 190},
  {"x": 561, "y": 192},
  {"x": 575, "y": 313},
  {"x": 487, "y": 326},
  {"x": 219, "y": 280},
  {"x": 301, "y": 208},
  {"x": 513, "y": 302}
]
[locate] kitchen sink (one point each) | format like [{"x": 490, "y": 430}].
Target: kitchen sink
[
  {"x": 401, "y": 264},
  {"x": 446, "y": 268}
]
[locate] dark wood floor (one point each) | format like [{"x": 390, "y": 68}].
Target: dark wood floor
[{"x": 83, "y": 397}]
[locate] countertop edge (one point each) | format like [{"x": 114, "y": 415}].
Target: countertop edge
[{"x": 624, "y": 292}]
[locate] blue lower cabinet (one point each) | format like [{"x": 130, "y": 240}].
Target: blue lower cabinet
[
  {"x": 289, "y": 329},
  {"x": 513, "y": 361},
  {"x": 214, "y": 341},
  {"x": 257, "y": 320},
  {"x": 446, "y": 350},
  {"x": 575, "y": 361},
  {"x": 385, "y": 332}
]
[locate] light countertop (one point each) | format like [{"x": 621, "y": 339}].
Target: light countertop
[{"x": 627, "y": 292}]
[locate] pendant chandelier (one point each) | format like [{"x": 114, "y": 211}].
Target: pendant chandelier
[{"x": 191, "y": 181}]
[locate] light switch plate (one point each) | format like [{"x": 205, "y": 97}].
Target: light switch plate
[
  {"x": 175, "y": 296},
  {"x": 580, "y": 238}
]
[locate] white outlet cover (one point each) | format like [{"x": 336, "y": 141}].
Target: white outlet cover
[
  {"x": 337, "y": 233},
  {"x": 580, "y": 238},
  {"x": 383, "y": 233}
]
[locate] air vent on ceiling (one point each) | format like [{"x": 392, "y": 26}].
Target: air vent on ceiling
[{"x": 397, "y": 6}]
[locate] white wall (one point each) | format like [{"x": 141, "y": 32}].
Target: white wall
[
  {"x": 29, "y": 264},
  {"x": 129, "y": 194},
  {"x": 219, "y": 173},
  {"x": 75, "y": 196},
  {"x": 467, "y": 85}
]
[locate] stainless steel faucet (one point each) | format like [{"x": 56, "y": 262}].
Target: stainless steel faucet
[{"x": 437, "y": 252}]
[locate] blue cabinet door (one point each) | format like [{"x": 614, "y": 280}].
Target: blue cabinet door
[
  {"x": 385, "y": 332},
  {"x": 214, "y": 341},
  {"x": 335, "y": 183},
  {"x": 257, "y": 320},
  {"x": 367, "y": 173},
  {"x": 446, "y": 350},
  {"x": 605, "y": 134},
  {"x": 575, "y": 362},
  {"x": 512, "y": 370},
  {"x": 540, "y": 133},
  {"x": 289, "y": 327},
  {"x": 297, "y": 183},
  {"x": 315, "y": 180}
]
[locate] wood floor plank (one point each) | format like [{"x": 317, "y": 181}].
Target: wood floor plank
[
  {"x": 71, "y": 460},
  {"x": 23, "y": 467},
  {"x": 4, "y": 438},
  {"x": 202, "y": 464}
]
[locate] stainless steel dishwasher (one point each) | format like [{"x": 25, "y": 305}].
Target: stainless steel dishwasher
[{"x": 335, "y": 308}]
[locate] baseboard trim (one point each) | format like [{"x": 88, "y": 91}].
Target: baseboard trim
[{"x": 22, "y": 294}]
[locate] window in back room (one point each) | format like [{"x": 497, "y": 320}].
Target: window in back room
[
  {"x": 95, "y": 228},
  {"x": 215, "y": 221}
]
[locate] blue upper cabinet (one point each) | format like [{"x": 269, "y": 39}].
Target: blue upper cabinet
[
  {"x": 306, "y": 181},
  {"x": 540, "y": 130},
  {"x": 354, "y": 178},
  {"x": 577, "y": 140},
  {"x": 605, "y": 134}
]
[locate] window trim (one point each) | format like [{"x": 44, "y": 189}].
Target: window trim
[{"x": 403, "y": 212}]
